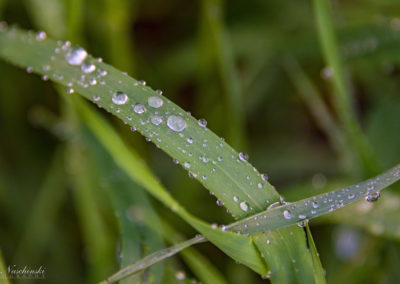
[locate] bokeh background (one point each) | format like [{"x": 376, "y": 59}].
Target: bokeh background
[{"x": 253, "y": 69}]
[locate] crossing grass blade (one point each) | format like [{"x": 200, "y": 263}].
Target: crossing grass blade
[
  {"x": 209, "y": 159},
  {"x": 300, "y": 211},
  {"x": 318, "y": 270}
]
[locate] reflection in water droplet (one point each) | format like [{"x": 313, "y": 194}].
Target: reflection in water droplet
[
  {"x": 243, "y": 157},
  {"x": 76, "y": 56},
  {"x": 287, "y": 214},
  {"x": 244, "y": 206},
  {"x": 202, "y": 122},
  {"x": 156, "y": 120},
  {"x": 155, "y": 102},
  {"x": 139, "y": 108},
  {"x": 119, "y": 98},
  {"x": 371, "y": 197},
  {"x": 176, "y": 123},
  {"x": 88, "y": 67}
]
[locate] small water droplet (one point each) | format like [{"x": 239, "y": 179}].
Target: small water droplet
[
  {"x": 70, "y": 91},
  {"x": 202, "y": 122},
  {"x": 96, "y": 98},
  {"x": 41, "y": 36},
  {"x": 186, "y": 165},
  {"x": 88, "y": 67},
  {"x": 159, "y": 92},
  {"x": 371, "y": 197},
  {"x": 156, "y": 120},
  {"x": 139, "y": 108},
  {"x": 76, "y": 56},
  {"x": 180, "y": 275},
  {"x": 243, "y": 157},
  {"x": 244, "y": 206},
  {"x": 287, "y": 214},
  {"x": 176, "y": 123},
  {"x": 219, "y": 202},
  {"x": 155, "y": 102},
  {"x": 259, "y": 185},
  {"x": 315, "y": 204},
  {"x": 264, "y": 177},
  {"x": 235, "y": 198},
  {"x": 29, "y": 69},
  {"x": 119, "y": 98}
]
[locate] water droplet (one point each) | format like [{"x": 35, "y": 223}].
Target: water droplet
[
  {"x": 159, "y": 92},
  {"x": 315, "y": 204},
  {"x": 76, "y": 56},
  {"x": 186, "y": 165},
  {"x": 371, "y": 197},
  {"x": 155, "y": 102},
  {"x": 180, "y": 275},
  {"x": 29, "y": 69},
  {"x": 93, "y": 82},
  {"x": 264, "y": 177},
  {"x": 301, "y": 216},
  {"x": 190, "y": 140},
  {"x": 70, "y": 91},
  {"x": 243, "y": 157},
  {"x": 41, "y": 36},
  {"x": 156, "y": 120},
  {"x": 88, "y": 67},
  {"x": 139, "y": 108},
  {"x": 244, "y": 206},
  {"x": 235, "y": 198},
  {"x": 202, "y": 122},
  {"x": 259, "y": 185},
  {"x": 219, "y": 202},
  {"x": 219, "y": 159},
  {"x": 176, "y": 123},
  {"x": 96, "y": 98},
  {"x": 119, "y": 98},
  {"x": 133, "y": 128},
  {"x": 287, "y": 214},
  {"x": 351, "y": 196}
]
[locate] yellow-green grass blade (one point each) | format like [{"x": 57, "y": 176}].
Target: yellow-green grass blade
[{"x": 3, "y": 271}]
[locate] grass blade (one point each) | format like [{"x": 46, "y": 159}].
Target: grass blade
[
  {"x": 318, "y": 270},
  {"x": 152, "y": 259},
  {"x": 342, "y": 95}
]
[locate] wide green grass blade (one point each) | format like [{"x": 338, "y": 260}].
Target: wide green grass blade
[
  {"x": 209, "y": 159},
  {"x": 318, "y": 269},
  {"x": 342, "y": 96}
]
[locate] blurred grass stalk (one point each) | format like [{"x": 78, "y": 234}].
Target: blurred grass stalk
[
  {"x": 213, "y": 32},
  {"x": 342, "y": 97},
  {"x": 318, "y": 109}
]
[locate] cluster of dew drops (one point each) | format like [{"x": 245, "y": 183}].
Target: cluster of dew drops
[{"x": 91, "y": 76}]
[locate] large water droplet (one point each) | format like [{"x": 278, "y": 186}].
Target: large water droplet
[
  {"x": 88, "y": 67},
  {"x": 287, "y": 214},
  {"x": 76, "y": 56},
  {"x": 244, "y": 206},
  {"x": 176, "y": 123},
  {"x": 119, "y": 98},
  {"x": 155, "y": 102},
  {"x": 139, "y": 108}
]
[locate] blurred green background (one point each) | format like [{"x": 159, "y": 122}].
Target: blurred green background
[{"x": 253, "y": 69}]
